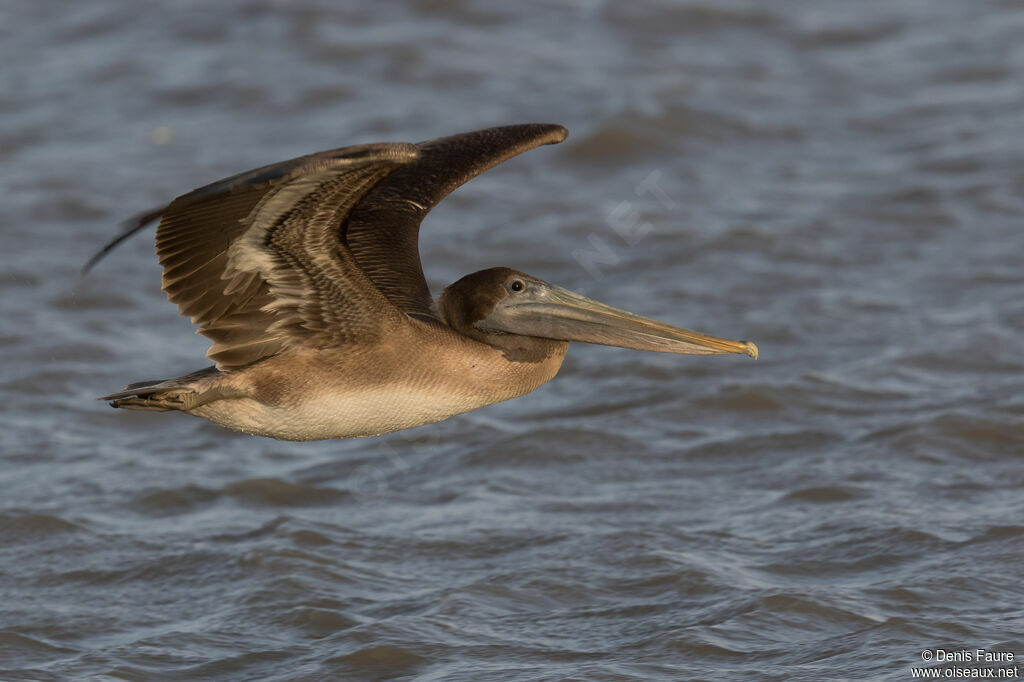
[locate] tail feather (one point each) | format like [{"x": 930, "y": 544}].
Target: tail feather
[{"x": 163, "y": 395}]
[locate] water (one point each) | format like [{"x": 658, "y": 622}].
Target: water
[{"x": 841, "y": 183}]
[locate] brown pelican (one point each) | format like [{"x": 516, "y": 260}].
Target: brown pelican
[{"x": 306, "y": 276}]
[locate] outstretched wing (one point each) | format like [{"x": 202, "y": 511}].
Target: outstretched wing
[
  {"x": 319, "y": 249},
  {"x": 257, "y": 261},
  {"x": 382, "y": 231}
]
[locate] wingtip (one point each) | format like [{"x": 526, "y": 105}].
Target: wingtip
[
  {"x": 514, "y": 139},
  {"x": 547, "y": 133},
  {"x": 559, "y": 132},
  {"x": 129, "y": 227}
]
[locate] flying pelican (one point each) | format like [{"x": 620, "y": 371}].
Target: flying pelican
[{"x": 306, "y": 276}]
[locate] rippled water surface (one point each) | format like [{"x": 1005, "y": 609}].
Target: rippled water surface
[{"x": 841, "y": 182}]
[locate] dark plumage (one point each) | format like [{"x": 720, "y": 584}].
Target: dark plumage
[{"x": 306, "y": 276}]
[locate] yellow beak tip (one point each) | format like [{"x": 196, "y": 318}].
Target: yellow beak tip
[{"x": 751, "y": 349}]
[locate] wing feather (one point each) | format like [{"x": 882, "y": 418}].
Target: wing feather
[
  {"x": 257, "y": 260},
  {"x": 322, "y": 249},
  {"x": 383, "y": 230}
]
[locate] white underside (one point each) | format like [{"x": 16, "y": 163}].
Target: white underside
[{"x": 369, "y": 412}]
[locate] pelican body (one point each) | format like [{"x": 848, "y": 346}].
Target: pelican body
[{"x": 306, "y": 276}]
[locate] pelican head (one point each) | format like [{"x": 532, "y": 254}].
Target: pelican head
[{"x": 504, "y": 307}]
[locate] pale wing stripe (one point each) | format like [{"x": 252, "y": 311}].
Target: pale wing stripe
[{"x": 258, "y": 262}]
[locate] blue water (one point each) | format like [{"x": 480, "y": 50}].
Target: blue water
[{"x": 841, "y": 183}]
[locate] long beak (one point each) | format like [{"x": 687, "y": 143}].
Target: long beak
[{"x": 551, "y": 312}]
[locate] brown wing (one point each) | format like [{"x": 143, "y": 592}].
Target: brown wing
[
  {"x": 313, "y": 249},
  {"x": 256, "y": 259},
  {"x": 382, "y": 231}
]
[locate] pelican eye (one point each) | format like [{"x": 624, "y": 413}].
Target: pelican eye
[{"x": 517, "y": 286}]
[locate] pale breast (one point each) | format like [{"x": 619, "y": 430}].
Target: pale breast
[
  {"x": 322, "y": 395},
  {"x": 339, "y": 414}
]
